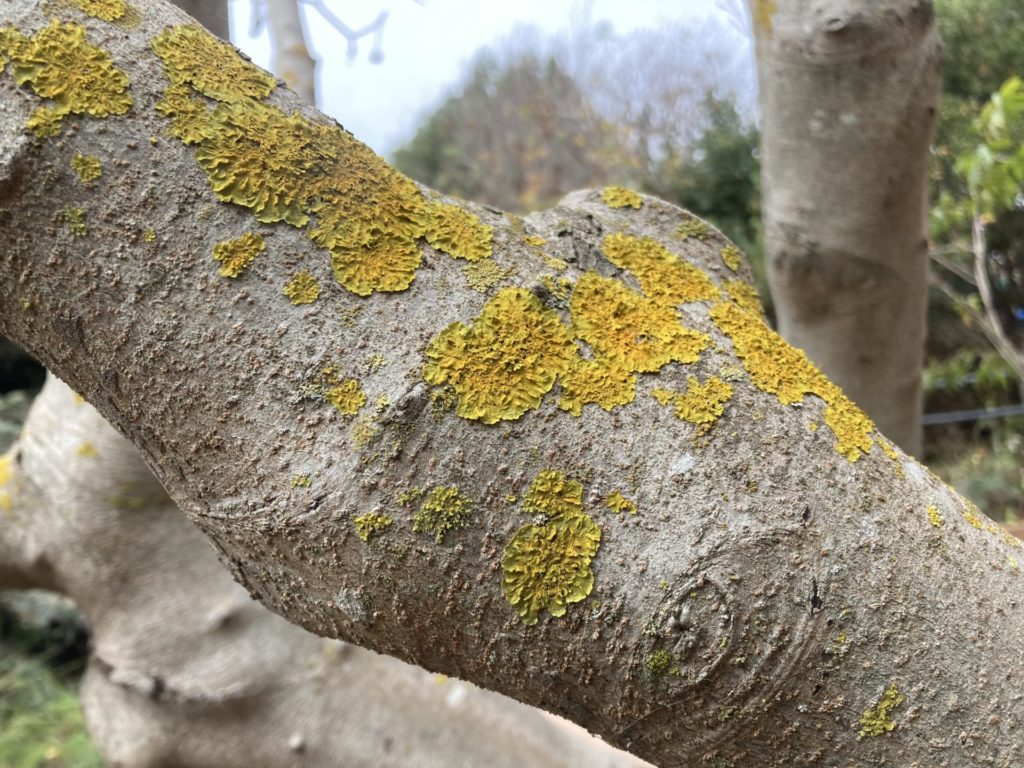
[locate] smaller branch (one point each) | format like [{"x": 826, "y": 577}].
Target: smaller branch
[
  {"x": 1012, "y": 355},
  {"x": 939, "y": 258}
]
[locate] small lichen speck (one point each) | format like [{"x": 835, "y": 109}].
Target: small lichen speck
[
  {"x": 877, "y": 720},
  {"x": 620, "y": 197}
]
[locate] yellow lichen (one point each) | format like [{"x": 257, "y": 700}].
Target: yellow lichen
[
  {"x": 6, "y": 501},
  {"x": 877, "y": 719},
  {"x": 763, "y": 13},
  {"x": 149, "y": 235},
  {"x": 107, "y": 10},
  {"x": 659, "y": 662},
  {"x": 744, "y": 294},
  {"x": 444, "y": 509},
  {"x": 694, "y": 228},
  {"x": 663, "y": 396},
  {"x": 459, "y": 233},
  {"x": 637, "y": 333},
  {"x": 620, "y": 197},
  {"x": 347, "y": 396},
  {"x": 370, "y": 523},
  {"x": 559, "y": 265},
  {"x": 236, "y": 255},
  {"x": 194, "y": 57},
  {"x": 535, "y": 240},
  {"x": 663, "y": 276},
  {"x": 189, "y": 115},
  {"x": 505, "y": 361},
  {"x": 731, "y": 257},
  {"x": 547, "y": 566},
  {"x": 303, "y": 288},
  {"x": 779, "y": 369},
  {"x": 301, "y": 481},
  {"x": 87, "y": 167},
  {"x": 552, "y": 494},
  {"x": 75, "y": 218},
  {"x": 86, "y": 450},
  {"x": 618, "y": 503},
  {"x": 935, "y": 517},
  {"x": 600, "y": 381},
  {"x": 60, "y": 65},
  {"x": 483, "y": 275},
  {"x": 703, "y": 404},
  {"x": 558, "y": 287}
]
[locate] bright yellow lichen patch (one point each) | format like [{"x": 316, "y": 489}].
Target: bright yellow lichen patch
[
  {"x": 198, "y": 59},
  {"x": 779, "y": 369},
  {"x": 744, "y": 294},
  {"x": 877, "y": 720},
  {"x": 764, "y": 12},
  {"x": 303, "y": 288},
  {"x": 703, "y": 404},
  {"x": 552, "y": 493},
  {"x": 189, "y": 115},
  {"x": 935, "y": 517},
  {"x": 600, "y": 381},
  {"x": 663, "y": 396},
  {"x": 236, "y": 255},
  {"x": 86, "y": 450},
  {"x": 483, "y": 275},
  {"x": 75, "y": 219},
  {"x": 107, "y": 10},
  {"x": 347, "y": 396},
  {"x": 559, "y": 265},
  {"x": 301, "y": 481},
  {"x": 6, "y": 502},
  {"x": 637, "y": 333},
  {"x": 60, "y": 65},
  {"x": 505, "y": 361},
  {"x": 694, "y": 228},
  {"x": 370, "y": 523},
  {"x": 459, "y": 233},
  {"x": 444, "y": 509},
  {"x": 620, "y": 197},
  {"x": 87, "y": 167},
  {"x": 663, "y": 276},
  {"x": 558, "y": 287},
  {"x": 535, "y": 240},
  {"x": 731, "y": 257},
  {"x": 618, "y": 503}
]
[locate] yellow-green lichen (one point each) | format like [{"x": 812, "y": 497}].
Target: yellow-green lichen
[
  {"x": 635, "y": 332},
  {"x": 485, "y": 274},
  {"x": 547, "y": 566},
  {"x": 694, "y": 228},
  {"x": 600, "y": 381},
  {"x": 659, "y": 662},
  {"x": 459, "y": 233},
  {"x": 410, "y": 496},
  {"x": 301, "y": 481},
  {"x": 620, "y": 197},
  {"x": 86, "y": 450},
  {"x": 87, "y": 167},
  {"x": 503, "y": 363},
  {"x": 779, "y": 369},
  {"x": 194, "y": 57},
  {"x": 558, "y": 287},
  {"x": 236, "y": 255},
  {"x": 703, "y": 404},
  {"x": 552, "y": 494},
  {"x": 189, "y": 115},
  {"x": 303, "y": 288},
  {"x": 6, "y": 501},
  {"x": 662, "y": 395},
  {"x": 663, "y": 276},
  {"x": 370, "y": 523},
  {"x": 535, "y": 241},
  {"x": 60, "y": 65},
  {"x": 744, "y": 294},
  {"x": 877, "y": 720},
  {"x": 444, "y": 509},
  {"x": 559, "y": 265},
  {"x": 731, "y": 257},
  {"x": 618, "y": 503},
  {"x": 346, "y": 396},
  {"x": 75, "y": 219},
  {"x": 935, "y": 517},
  {"x": 107, "y": 10},
  {"x": 149, "y": 236}
]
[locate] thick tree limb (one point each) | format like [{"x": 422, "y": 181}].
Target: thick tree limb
[{"x": 788, "y": 592}]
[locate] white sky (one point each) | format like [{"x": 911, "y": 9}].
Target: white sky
[{"x": 425, "y": 46}]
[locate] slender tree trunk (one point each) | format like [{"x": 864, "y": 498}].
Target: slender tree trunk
[
  {"x": 212, "y": 14},
  {"x": 848, "y": 94},
  {"x": 292, "y": 61},
  {"x": 790, "y": 590}
]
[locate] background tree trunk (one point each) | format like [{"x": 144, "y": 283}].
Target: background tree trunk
[
  {"x": 291, "y": 61},
  {"x": 212, "y": 14},
  {"x": 848, "y": 97},
  {"x": 789, "y": 588}
]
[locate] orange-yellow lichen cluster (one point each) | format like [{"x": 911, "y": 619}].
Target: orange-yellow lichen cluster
[
  {"x": 785, "y": 372},
  {"x": 935, "y": 517},
  {"x": 59, "y": 65},
  {"x": 602, "y": 382},
  {"x": 107, "y": 10},
  {"x": 546, "y": 566},
  {"x": 236, "y": 255},
  {"x": 618, "y": 503},
  {"x": 288, "y": 168},
  {"x": 663, "y": 276},
  {"x": 346, "y": 395},
  {"x": 303, "y": 288},
  {"x": 503, "y": 363},
  {"x": 703, "y": 404},
  {"x": 744, "y": 294},
  {"x": 620, "y": 197}
]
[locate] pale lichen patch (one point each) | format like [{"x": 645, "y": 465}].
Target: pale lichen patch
[{"x": 731, "y": 257}]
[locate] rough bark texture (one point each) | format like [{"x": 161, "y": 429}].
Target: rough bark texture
[
  {"x": 790, "y": 591},
  {"x": 187, "y": 670},
  {"x": 292, "y": 61},
  {"x": 848, "y": 94}
]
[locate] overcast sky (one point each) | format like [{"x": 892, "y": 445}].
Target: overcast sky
[{"x": 425, "y": 46}]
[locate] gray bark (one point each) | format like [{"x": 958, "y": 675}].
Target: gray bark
[
  {"x": 187, "y": 670},
  {"x": 292, "y": 61},
  {"x": 848, "y": 96},
  {"x": 774, "y": 601},
  {"x": 212, "y": 14}
]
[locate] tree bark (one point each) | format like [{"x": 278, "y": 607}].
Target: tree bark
[
  {"x": 790, "y": 590},
  {"x": 292, "y": 61},
  {"x": 848, "y": 96},
  {"x": 186, "y": 670},
  {"x": 212, "y": 14}
]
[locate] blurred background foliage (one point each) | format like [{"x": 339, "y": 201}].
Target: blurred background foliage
[{"x": 670, "y": 111}]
